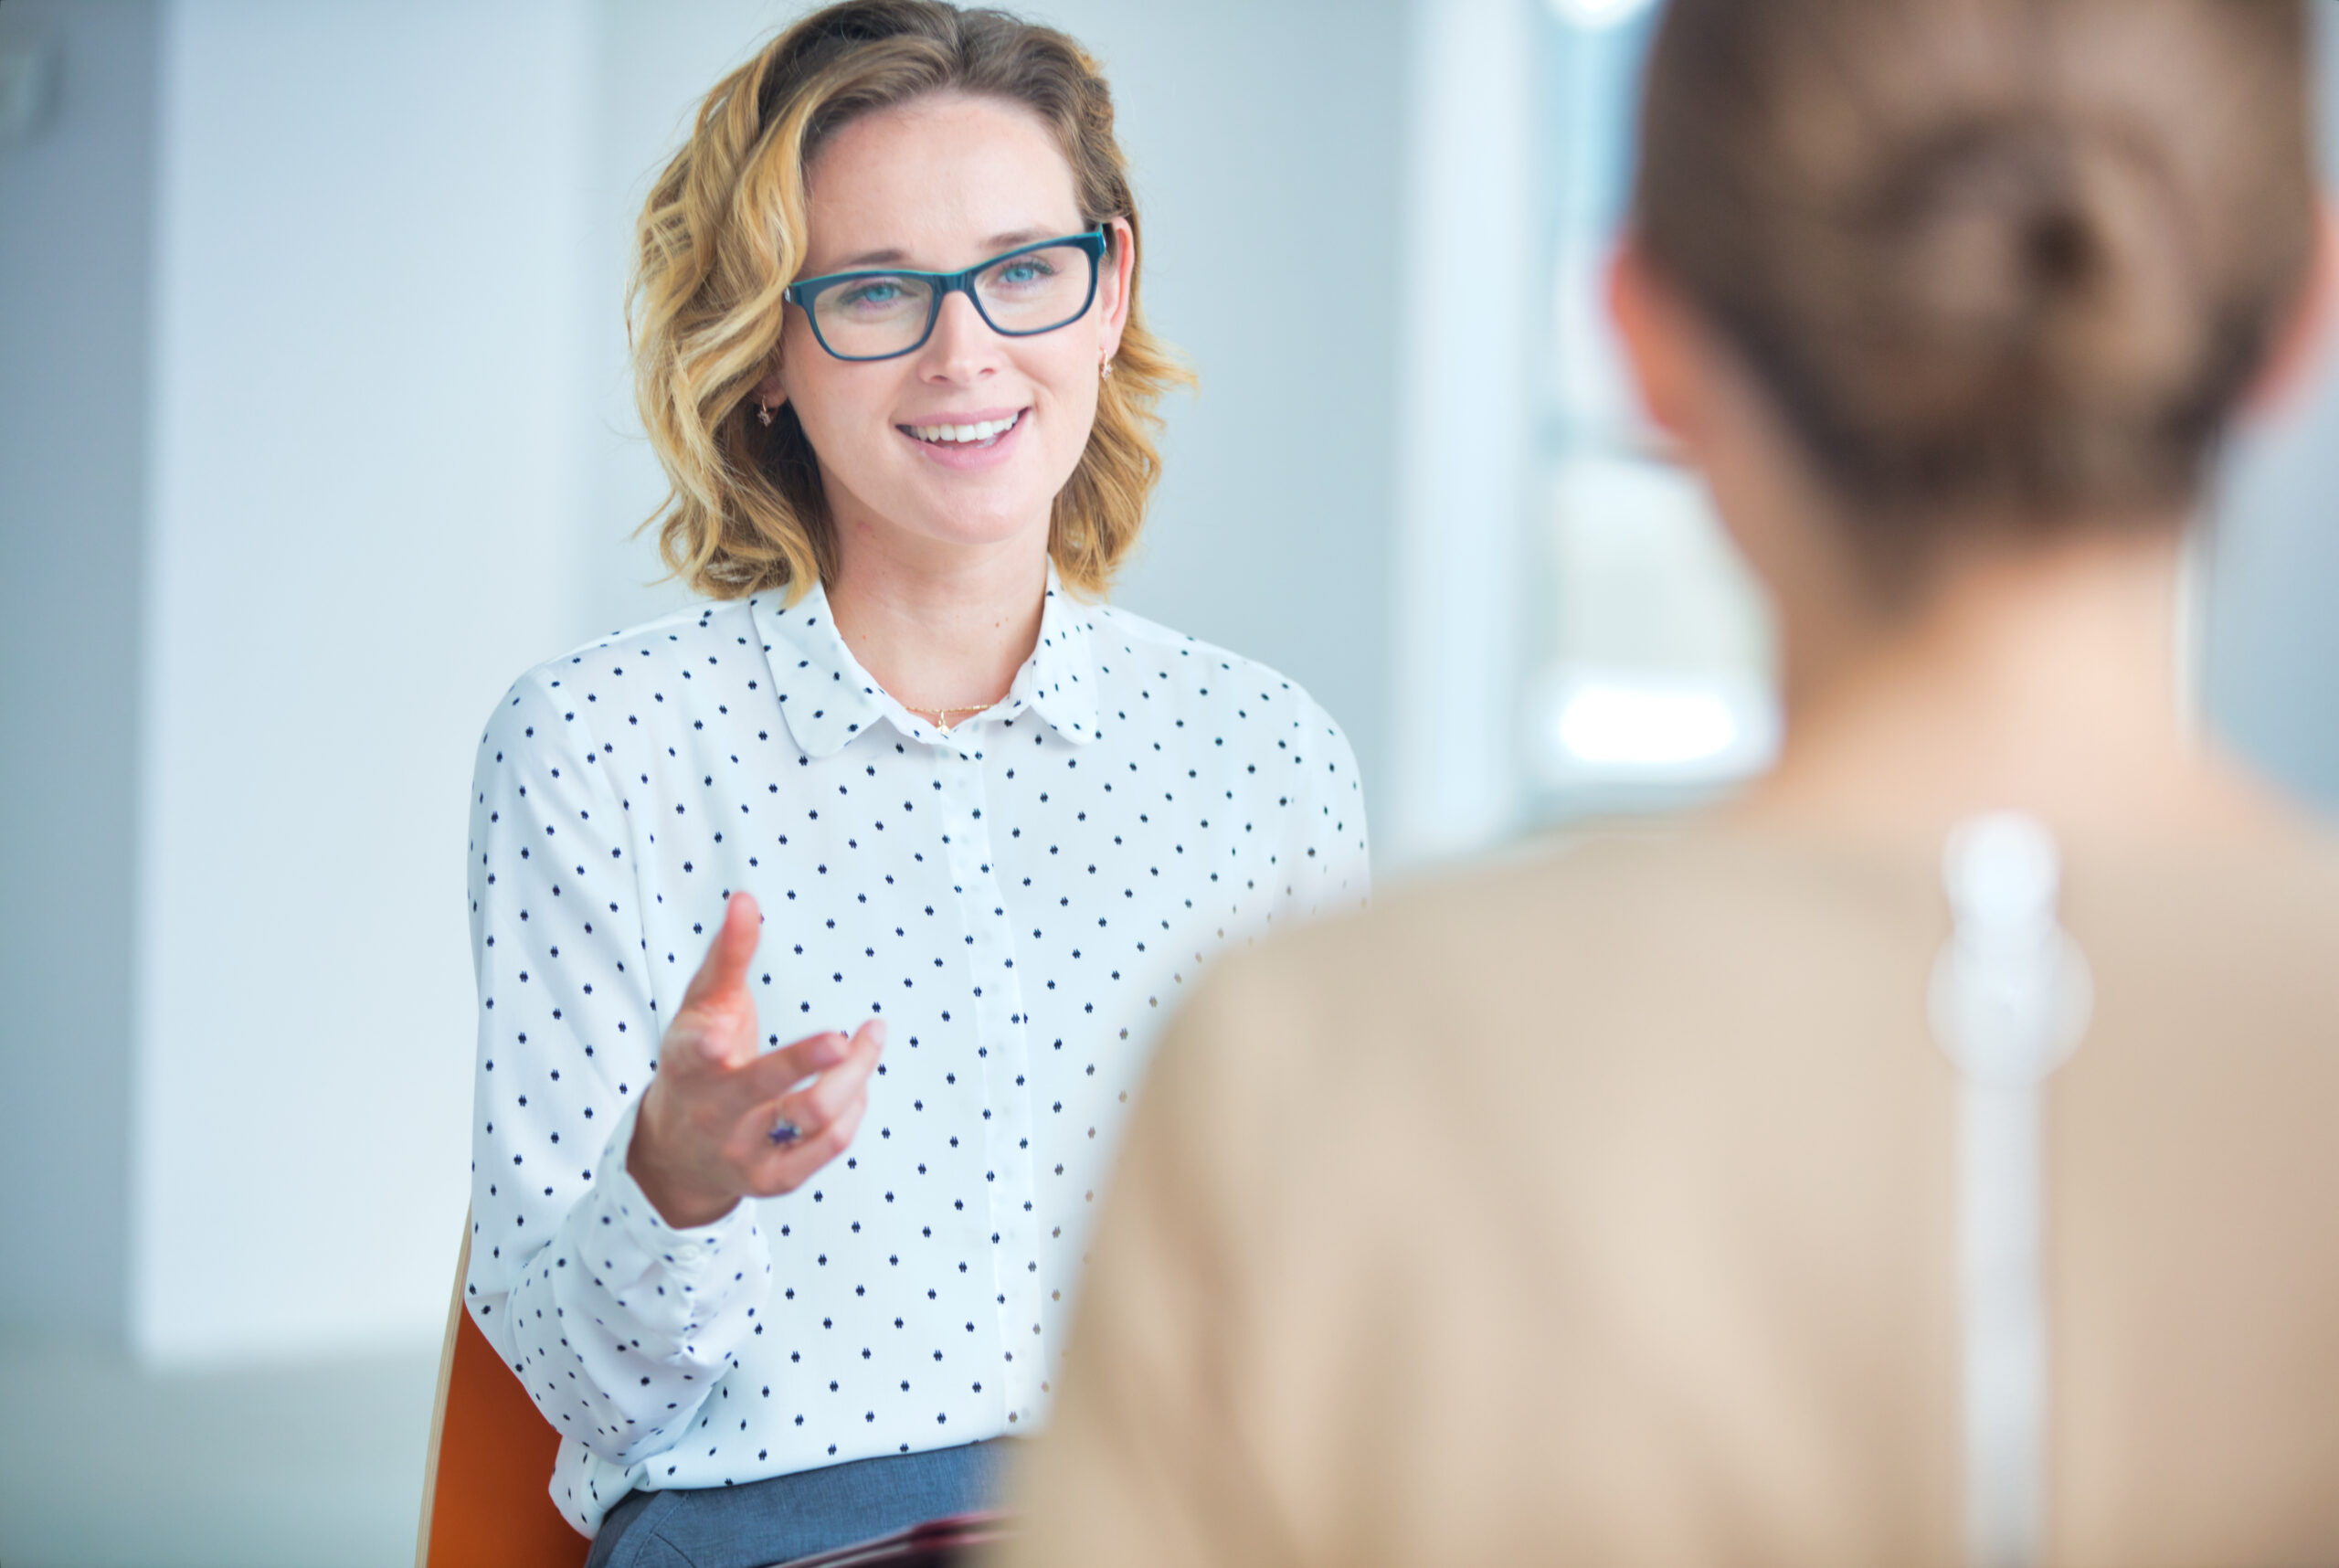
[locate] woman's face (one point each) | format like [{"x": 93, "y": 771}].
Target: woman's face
[{"x": 938, "y": 184}]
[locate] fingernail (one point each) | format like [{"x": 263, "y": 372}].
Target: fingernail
[{"x": 877, "y": 1032}]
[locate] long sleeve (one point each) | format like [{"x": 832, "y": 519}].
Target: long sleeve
[{"x": 617, "y": 1324}]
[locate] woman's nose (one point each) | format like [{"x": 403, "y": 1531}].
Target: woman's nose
[{"x": 963, "y": 345}]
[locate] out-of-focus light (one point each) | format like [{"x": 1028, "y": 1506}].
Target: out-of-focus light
[
  {"x": 1649, "y": 728},
  {"x": 1598, "y": 13},
  {"x": 1606, "y": 730}
]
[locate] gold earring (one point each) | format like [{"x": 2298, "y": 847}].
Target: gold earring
[
  {"x": 1106, "y": 369},
  {"x": 763, "y": 415}
]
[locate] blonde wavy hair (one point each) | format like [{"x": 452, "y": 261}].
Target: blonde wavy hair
[{"x": 723, "y": 234}]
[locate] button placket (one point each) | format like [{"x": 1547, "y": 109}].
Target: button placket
[{"x": 1010, "y": 1182}]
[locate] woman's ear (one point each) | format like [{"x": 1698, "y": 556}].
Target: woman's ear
[
  {"x": 2298, "y": 350},
  {"x": 1119, "y": 267},
  {"x": 1723, "y": 425},
  {"x": 771, "y": 391},
  {"x": 1659, "y": 338}
]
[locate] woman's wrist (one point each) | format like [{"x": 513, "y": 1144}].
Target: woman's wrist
[{"x": 683, "y": 1203}]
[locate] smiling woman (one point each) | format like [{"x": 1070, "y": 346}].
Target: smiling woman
[
  {"x": 908, "y": 795},
  {"x": 1020, "y": 129},
  {"x": 887, "y": 366}
]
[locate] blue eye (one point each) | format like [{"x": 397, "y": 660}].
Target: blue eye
[
  {"x": 1026, "y": 269},
  {"x": 876, "y": 291}
]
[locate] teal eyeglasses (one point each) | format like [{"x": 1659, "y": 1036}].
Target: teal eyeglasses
[{"x": 884, "y": 314}]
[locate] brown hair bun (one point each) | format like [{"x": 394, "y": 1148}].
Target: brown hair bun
[{"x": 2018, "y": 257}]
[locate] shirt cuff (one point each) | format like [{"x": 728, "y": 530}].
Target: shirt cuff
[{"x": 702, "y": 1253}]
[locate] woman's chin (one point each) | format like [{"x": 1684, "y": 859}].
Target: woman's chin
[
  {"x": 982, "y": 527},
  {"x": 979, "y": 515}
]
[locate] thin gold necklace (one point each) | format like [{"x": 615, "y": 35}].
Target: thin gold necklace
[{"x": 942, "y": 715}]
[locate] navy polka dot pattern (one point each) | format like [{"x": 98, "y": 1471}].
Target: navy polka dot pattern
[{"x": 1023, "y": 899}]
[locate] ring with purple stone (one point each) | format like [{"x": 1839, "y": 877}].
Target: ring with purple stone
[{"x": 784, "y": 1132}]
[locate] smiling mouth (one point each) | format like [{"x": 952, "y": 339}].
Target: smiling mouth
[{"x": 982, "y": 435}]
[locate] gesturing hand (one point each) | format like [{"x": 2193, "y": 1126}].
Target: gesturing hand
[{"x": 705, "y": 1138}]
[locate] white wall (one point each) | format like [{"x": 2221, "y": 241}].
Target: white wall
[
  {"x": 75, "y": 221},
  {"x": 653, "y": 61},
  {"x": 1465, "y": 397},
  {"x": 367, "y": 391}
]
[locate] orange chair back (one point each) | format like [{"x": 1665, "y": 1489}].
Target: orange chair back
[{"x": 485, "y": 1502}]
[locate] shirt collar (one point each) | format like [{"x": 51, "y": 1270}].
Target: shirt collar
[
  {"x": 828, "y": 699},
  {"x": 1058, "y": 682}
]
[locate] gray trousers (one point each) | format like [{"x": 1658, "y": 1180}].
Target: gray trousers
[{"x": 765, "y": 1522}]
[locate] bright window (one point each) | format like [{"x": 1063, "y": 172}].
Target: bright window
[{"x": 1650, "y": 667}]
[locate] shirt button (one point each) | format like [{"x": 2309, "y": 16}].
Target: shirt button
[{"x": 688, "y": 1251}]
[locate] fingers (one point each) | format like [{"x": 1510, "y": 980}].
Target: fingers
[
  {"x": 815, "y": 1106},
  {"x": 826, "y": 1114},
  {"x": 785, "y": 1168},
  {"x": 834, "y": 1138},
  {"x": 724, "y": 969},
  {"x": 775, "y": 1073},
  {"x": 715, "y": 1024}
]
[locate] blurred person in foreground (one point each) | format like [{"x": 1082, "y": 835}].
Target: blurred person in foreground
[
  {"x": 1929, "y": 1159},
  {"x": 822, "y": 929}
]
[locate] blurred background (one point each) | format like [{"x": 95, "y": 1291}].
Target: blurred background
[{"x": 315, "y": 431}]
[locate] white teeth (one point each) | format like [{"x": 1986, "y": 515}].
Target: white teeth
[{"x": 959, "y": 433}]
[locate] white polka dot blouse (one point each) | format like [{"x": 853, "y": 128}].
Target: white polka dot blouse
[{"x": 1023, "y": 899}]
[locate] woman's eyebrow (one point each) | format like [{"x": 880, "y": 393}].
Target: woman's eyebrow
[
  {"x": 894, "y": 256},
  {"x": 889, "y": 256},
  {"x": 999, "y": 242}
]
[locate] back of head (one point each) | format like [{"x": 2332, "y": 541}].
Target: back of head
[{"x": 2015, "y": 259}]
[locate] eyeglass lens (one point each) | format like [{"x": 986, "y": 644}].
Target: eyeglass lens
[{"x": 881, "y": 312}]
